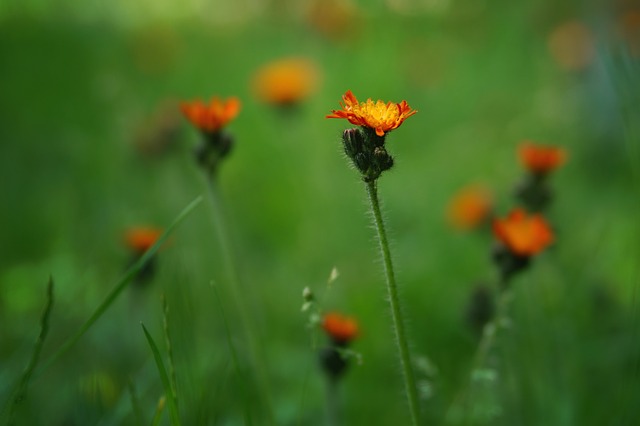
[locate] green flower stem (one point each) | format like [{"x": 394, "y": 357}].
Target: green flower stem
[
  {"x": 491, "y": 330},
  {"x": 247, "y": 324},
  {"x": 489, "y": 335},
  {"x": 333, "y": 412},
  {"x": 394, "y": 301}
]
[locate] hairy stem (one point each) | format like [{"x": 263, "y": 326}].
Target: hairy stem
[{"x": 394, "y": 301}]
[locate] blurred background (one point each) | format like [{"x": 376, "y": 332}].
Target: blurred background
[{"x": 92, "y": 144}]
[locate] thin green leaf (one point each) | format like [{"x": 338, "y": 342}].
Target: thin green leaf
[
  {"x": 135, "y": 404},
  {"x": 173, "y": 407},
  {"x": 122, "y": 283},
  {"x": 20, "y": 393},
  {"x": 167, "y": 340}
]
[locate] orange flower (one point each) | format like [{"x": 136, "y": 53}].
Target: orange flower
[
  {"x": 541, "y": 159},
  {"x": 141, "y": 239},
  {"x": 340, "y": 328},
  {"x": 376, "y": 115},
  {"x": 572, "y": 46},
  {"x": 629, "y": 29},
  {"x": 287, "y": 81},
  {"x": 337, "y": 19},
  {"x": 523, "y": 235},
  {"x": 159, "y": 132},
  {"x": 470, "y": 207},
  {"x": 213, "y": 117}
]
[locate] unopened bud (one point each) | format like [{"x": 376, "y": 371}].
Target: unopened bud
[
  {"x": 353, "y": 142},
  {"x": 508, "y": 263},
  {"x": 307, "y": 294},
  {"x": 383, "y": 161},
  {"x": 332, "y": 362}
]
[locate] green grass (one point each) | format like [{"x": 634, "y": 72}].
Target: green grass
[{"x": 74, "y": 92}]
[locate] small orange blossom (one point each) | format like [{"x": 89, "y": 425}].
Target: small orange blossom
[
  {"x": 141, "y": 239},
  {"x": 470, "y": 207},
  {"x": 336, "y": 19},
  {"x": 286, "y": 81},
  {"x": 212, "y": 117},
  {"x": 523, "y": 235},
  {"x": 340, "y": 328},
  {"x": 376, "y": 115},
  {"x": 572, "y": 45},
  {"x": 541, "y": 159},
  {"x": 629, "y": 29}
]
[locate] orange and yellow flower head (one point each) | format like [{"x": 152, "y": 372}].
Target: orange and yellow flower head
[
  {"x": 524, "y": 235},
  {"x": 541, "y": 159},
  {"x": 365, "y": 145},
  {"x": 377, "y": 115},
  {"x": 211, "y": 117}
]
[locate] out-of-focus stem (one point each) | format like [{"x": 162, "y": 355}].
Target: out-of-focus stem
[
  {"x": 333, "y": 408},
  {"x": 248, "y": 327}
]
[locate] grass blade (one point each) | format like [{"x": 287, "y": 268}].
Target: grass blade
[
  {"x": 234, "y": 357},
  {"x": 173, "y": 407},
  {"x": 167, "y": 340},
  {"x": 159, "y": 411},
  {"x": 21, "y": 390},
  {"x": 117, "y": 289},
  {"x": 135, "y": 404},
  {"x": 247, "y": 325}
]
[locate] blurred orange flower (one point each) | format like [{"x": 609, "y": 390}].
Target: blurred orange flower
[
  {"x": 159, "y": 132},
  {"x": 376, "y": 115},
  {"x": 470, "y": 207},
  {"x": 213, "y": 117},
  {"x": 142, "y": 238},
  {"x": 571, "y": 45},
  {"x": 629, "y": 29},
  {"x": 523, "y": 235},
  {"x": 286, "y": 81},
  {"x": 340, "y": 328},
  {"x": 334, "y": 18},
  {"x": 540, "y": 159}
]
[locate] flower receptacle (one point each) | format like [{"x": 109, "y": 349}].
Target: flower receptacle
[{"x": 367, "y": 152}]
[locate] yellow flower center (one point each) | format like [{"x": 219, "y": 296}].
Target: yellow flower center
[{"x": 379, "y": 114}]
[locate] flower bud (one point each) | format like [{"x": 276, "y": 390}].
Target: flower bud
[
  {"x": 214, "y": 147},
  {"x": 383, "y": 161},
  {"x": 332, "y": 362},
  {"x": 353, "y": 142},
  {"x": 307, "y": 294}
]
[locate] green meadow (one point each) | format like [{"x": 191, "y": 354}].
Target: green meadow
[{"x": 92, "y": 144}]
